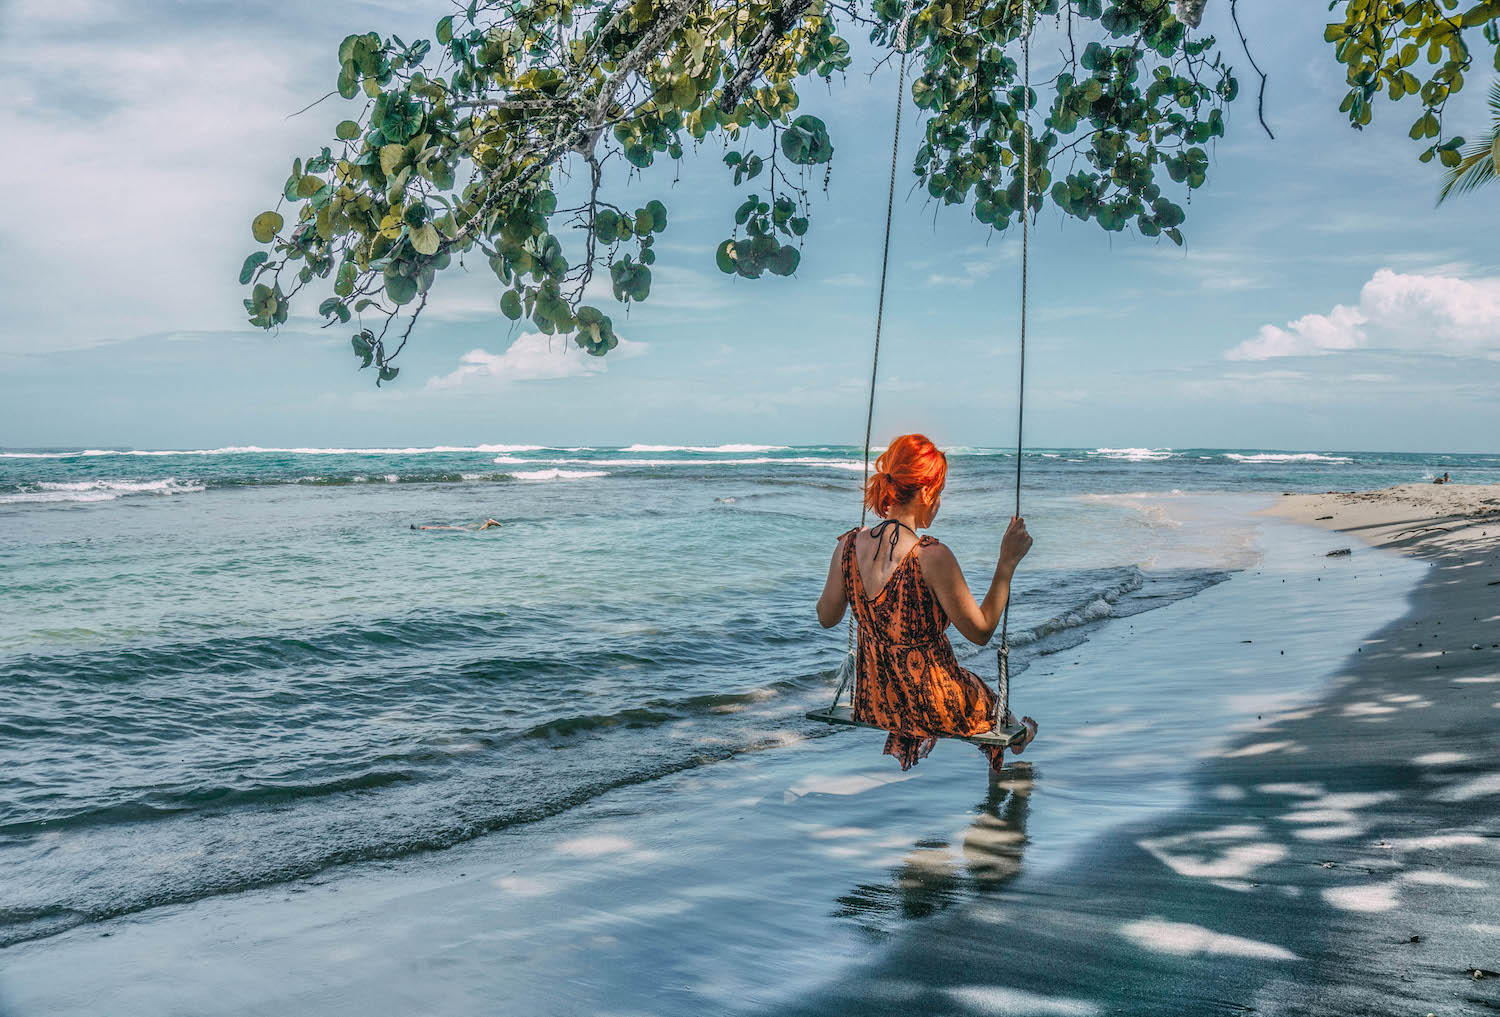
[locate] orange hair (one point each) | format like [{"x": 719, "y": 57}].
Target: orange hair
[{"x": 911, "y": 467}]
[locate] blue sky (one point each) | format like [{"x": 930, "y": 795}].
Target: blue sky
[{"x": 1321, "y": 301}]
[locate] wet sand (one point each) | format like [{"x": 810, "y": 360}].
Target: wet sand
[{"x": 1342, "y": 859}]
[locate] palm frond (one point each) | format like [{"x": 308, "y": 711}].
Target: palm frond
[
  {"x": 1495, "y": 100},
  {"x": 1475, "y": 170}
]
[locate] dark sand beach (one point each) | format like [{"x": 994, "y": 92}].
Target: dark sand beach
[{"x": 1343, "y": 859}]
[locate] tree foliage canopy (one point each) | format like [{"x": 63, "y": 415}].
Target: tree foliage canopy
[
  {"x": 1385, "y": 44},
  {"x": 459, "y": 146}
]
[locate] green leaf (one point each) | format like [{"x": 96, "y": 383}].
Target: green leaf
[
  {"x": 387, "y": 374},
  {"x": 402, "y": 119},
  {"x": 806, "y": 142},
  {"x": 266, "y": 226},
  {"x": 784, "y": 261},
  {"x": 724, "y": 257},
  {"x": 425, "y": 239},
  {"x": 510, "y": 305},
  {"x": 607, "y": 225},
  {"x": 347, "y": 130},
  {"x": 641, "y": 284},
  {"x": 400, "y": 288},
  {"x": 247, "y": 271},
  {"x": 392, "y": 158},
  {"x": 445, "y": 30},
  {"x": 658, "y": 215}
]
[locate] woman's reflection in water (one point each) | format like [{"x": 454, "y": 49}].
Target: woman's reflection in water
[
  {"x": 932, "y": 877},
  {"x": 994, "y": 843}
]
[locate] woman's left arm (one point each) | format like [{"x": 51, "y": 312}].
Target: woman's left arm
[{"x": 832, "y": 603}]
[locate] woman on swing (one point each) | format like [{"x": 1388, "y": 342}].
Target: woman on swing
[{"x": 905, "y": 589}]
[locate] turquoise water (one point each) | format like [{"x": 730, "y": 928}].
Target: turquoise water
[{"x": 231, "y": 668}]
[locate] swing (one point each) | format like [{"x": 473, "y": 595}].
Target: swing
[{"x": 1001, "y": 735}]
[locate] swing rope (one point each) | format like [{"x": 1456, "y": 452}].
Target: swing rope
[
  {"x": 849, "y": 670},
  {"x": 903, "y": 45},
  {"x": 1002, "y": 655}
]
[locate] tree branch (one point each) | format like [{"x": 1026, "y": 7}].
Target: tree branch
[
  {"x": 776, "y": 26},
  {"x": 1260, "y": 108}
]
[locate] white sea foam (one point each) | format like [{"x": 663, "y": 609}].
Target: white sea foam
[
  {"x": 1098, "y": 606},
  {"x": 43, "y": 497},
  {"x": 1134, "y": 455},
  {"x": 1287, "y": 457},
  {"x": 257, "y": 450},
  {"x": 96, "y": 490},
  {"x": 704, "y": 448},
  {"x": 557, "y": 474},
  {"x": 837, "y": 464}
]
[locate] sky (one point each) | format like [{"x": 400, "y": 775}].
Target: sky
[{"x": 1321, "y": 301}]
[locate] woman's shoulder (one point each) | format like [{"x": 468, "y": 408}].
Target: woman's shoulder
[{"x": 933, "y": 552}]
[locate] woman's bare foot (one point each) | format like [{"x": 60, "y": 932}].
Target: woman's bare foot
[{"x": 1018, "y": 745}]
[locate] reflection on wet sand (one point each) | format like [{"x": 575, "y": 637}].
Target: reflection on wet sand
[{"x": 932, "y": 876}]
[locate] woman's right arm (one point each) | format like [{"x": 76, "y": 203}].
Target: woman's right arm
[
  {"x": 833, "y": 601},
  {"x": 976, "y": 621}
]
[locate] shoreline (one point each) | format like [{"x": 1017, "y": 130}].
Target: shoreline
[
  {"x": 1339, "y": 860},
  {"x": 1157, "y": 900}
]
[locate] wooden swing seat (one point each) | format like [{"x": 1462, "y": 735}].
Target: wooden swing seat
[{"x": 1000, "y": 737}]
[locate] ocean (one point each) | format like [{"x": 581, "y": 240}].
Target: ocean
[{"x": 233, "y": 668}]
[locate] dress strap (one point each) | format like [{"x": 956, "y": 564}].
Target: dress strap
[
  {"x": 878, "y": 532},
  {"x": 849, "y": 563}
]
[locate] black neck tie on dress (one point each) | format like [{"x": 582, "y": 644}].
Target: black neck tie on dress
[{"x": 878, "y": 532}]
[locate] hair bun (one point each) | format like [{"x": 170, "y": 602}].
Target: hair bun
[{"x": 911, "y": 466}]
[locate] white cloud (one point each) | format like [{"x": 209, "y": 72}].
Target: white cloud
[
  {"x": 531, "y": 357},
  {"x": 1224, "y": 270},
  {"x": 1313, "y": 334},
  {"x": 151, "y": 151},
  {"x": 1431, "y": 312}
]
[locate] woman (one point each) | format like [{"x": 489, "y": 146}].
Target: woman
[{"x": 905, "y": 590}]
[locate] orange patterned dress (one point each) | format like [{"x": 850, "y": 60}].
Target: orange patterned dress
[{"x": 908, "y": 680}]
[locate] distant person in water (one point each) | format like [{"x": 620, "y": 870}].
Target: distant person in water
[
  {"x": 1442, "y": 480},
  {"x": 905, "y": 590},
  {"x": 481, "y": 526}
]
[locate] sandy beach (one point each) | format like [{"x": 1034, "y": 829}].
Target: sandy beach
[{"x": 1332, "y": 852}]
